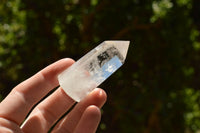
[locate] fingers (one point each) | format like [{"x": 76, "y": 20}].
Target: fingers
[
  {"x": 53, "y": 107},
  {"x": 48, "y": 112},
  {"x": 69, "y": 123},
  {"x": 89, "y": 120},
  {"x": 22, "y": 98}
]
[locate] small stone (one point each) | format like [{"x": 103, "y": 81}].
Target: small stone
[{"x": 93, "y": 68}]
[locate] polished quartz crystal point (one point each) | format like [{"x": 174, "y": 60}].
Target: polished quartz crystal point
[{"x": 93, "y": 68}]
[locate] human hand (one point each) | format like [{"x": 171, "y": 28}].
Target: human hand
[{"x": 83, "y": 118}]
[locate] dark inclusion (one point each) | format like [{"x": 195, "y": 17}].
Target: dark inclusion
[
  {"x": 107, "y": 55},
  {"x": 104, "y": 57}
]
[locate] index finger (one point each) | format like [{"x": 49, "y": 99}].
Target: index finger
[{"x": 18, "y": 103}]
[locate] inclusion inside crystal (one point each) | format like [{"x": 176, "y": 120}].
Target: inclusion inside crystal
[
  {"x": 93, "y": 68},
  {"x": 105, "y": 64}
]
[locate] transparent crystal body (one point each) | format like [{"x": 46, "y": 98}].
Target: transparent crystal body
[{"x": 93, "y": 68}]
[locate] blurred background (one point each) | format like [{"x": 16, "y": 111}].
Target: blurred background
[{"x": 157, "y": 90}]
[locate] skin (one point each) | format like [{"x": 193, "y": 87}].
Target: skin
[{"x": 15, "y": 115}]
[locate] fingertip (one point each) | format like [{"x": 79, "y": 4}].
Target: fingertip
[
  {"x": 57, "y": 67},
  {"x": 98, "y": 97},
  {"x": 64, "y": 63},
  {"x": 89, "y": 120},
  {"x": 101, "y": 93},
  {"x": 69, "y": 60},
  {"x": 93, "y": 111}
]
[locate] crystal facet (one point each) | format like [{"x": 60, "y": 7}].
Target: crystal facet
[{"x": 93, "y": 68}]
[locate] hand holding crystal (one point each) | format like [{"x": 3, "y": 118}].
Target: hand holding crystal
[{"x": 15, "y": 108}]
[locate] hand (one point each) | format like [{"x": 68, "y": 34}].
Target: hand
[{"x": 83, "y": 118}]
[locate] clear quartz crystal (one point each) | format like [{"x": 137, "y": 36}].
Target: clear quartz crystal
[{"x": 93, "y": 68}]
